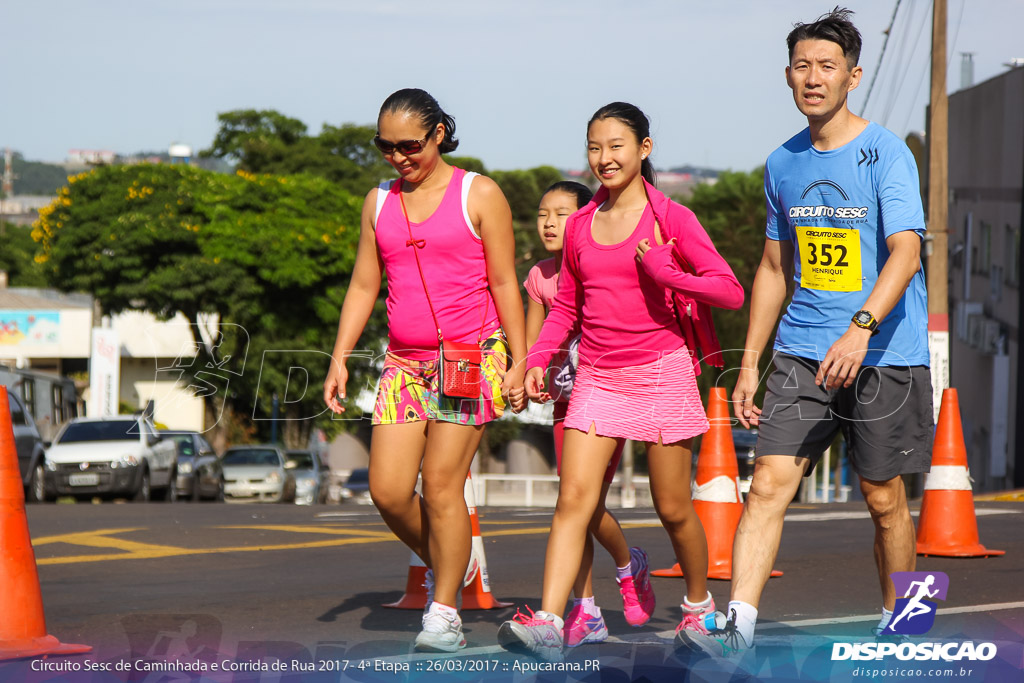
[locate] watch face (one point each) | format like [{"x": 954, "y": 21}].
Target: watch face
[{"x": 863, "y": 318}]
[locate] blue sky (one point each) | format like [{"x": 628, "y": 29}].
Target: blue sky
[{"x": 521, "y": 78}]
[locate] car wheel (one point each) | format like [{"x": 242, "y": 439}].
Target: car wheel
[
  {"x": 144, "y": 492},
  {"x": 171, "y": 492},
  {"x": 220, "y": 492},
  {"x": 36, "y": 491}
]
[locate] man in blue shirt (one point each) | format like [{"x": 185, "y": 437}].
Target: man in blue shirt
[{"x": 844, "y": 224}]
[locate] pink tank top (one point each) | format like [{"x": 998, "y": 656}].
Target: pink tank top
[{"x": 453, "y": 264}]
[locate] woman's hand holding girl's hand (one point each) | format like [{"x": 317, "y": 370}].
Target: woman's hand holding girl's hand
[
  {"x": 512, "y": 388},
  {"x": 535, "y": 386}
]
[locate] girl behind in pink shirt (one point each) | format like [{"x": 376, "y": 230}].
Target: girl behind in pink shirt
[
  {"x": 636, "y": 377},
  {"x": 585, "y": 624}
]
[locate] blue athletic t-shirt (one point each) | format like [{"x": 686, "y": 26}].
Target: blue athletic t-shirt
[{"x": 838, "y": 207}]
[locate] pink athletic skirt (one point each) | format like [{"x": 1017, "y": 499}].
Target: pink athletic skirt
[{"x": 659, "y": 400}]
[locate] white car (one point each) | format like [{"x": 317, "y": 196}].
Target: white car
[
  {"x": 111, "y": 457},
  {"x": 257, "y": 473}
]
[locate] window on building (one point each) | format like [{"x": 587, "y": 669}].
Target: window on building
[
  {"x": 28, "y": 392},
  {"x": 58, "y": 404},
  {"x": 1011, "y": 247},
  {"x": 984, "y": 251}
]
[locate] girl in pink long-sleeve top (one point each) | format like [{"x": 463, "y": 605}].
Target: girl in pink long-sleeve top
[{"x": 636, "y": 378}]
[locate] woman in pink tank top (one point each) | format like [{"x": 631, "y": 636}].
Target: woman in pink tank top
[
  {"x": 636, "y": 378},
  {"x": 444, "y": 239}
]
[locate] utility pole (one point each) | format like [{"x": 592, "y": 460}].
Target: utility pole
[
  {"x": 7, "y": 187},
  {"x": 938, "y": 208}
]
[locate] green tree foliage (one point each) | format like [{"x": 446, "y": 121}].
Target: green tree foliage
[
  {"x": 523, "y": 189},
  {"x": 17, "y": 257},
  {"x": 733, "y": 212},
  {"x": 269, "y": 255},
  {"x": 266, "y": 141}
]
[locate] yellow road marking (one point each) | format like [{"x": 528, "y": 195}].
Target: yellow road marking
[
  {"x": 134, "y": 550},
  {"x": 65, "y": 538}
]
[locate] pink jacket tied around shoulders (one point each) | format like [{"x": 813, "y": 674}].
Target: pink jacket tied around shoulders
[{"x": 690, "y": 267}]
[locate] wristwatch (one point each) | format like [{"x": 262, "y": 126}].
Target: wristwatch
[{"x": 866, "y": 321}]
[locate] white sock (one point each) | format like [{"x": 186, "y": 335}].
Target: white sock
[
  {"x": 694, "y": 606},
  {"x": 884, "y": 621},
  {"x": 624, "y": 572},
  {"x": 588, "y": 606},
  {"x": 449, "y": 612},
  {"x": 746, "y": 619}
]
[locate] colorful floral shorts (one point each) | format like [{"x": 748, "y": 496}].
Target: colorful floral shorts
[{"x": 408, "y": 390}]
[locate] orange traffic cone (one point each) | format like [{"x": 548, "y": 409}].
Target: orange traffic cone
[
  {"x": 948, "y": 526},
  {"x": 476, "y": 591},
  {"x": 716, "y": 491},
  {"x": 22, "y": 622}
]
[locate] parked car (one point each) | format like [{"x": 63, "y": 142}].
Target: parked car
[
  {"x": 357, "y": 487},
  {"x": 200, "y": 474},
  {"x": 110, "y": 457},
  {"x": 257, "y": 473},
  {"x": 31, "y": 450},
  {"x": 310, "y": 476}
]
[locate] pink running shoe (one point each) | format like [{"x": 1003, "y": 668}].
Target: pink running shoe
[
  {"x": 582, "y": 627},
  {"x": 637, "y": 594}
]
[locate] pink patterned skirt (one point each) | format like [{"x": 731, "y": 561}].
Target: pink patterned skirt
[{"x": 651, "y": 402}]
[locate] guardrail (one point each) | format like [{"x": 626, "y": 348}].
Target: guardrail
[{"x": 541, "y": 490}]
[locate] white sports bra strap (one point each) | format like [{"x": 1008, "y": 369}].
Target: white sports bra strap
[{"x": 382, "y": 194}]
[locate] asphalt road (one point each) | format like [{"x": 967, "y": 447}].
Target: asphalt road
[{"x": 298, "y": 587}]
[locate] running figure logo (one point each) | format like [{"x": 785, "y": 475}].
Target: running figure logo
[{"x": 914, "y": 613}]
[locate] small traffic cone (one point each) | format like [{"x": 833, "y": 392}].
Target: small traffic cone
[
  {"x": 476, "y": 591},
  {"x": 716, "y": 491},
  {"x": 415, "y": 596},
  {"x": 948, "y": 526},
  {"x": 22, "y": 622}
]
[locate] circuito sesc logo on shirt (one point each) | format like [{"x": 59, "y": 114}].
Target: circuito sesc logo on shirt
[{"x": 914, "y": 613}]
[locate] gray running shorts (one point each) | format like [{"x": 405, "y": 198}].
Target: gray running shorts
[{"x": 886, "y": 417}]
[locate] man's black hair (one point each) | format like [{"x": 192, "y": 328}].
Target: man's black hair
[{"x": 835, "y": 27}]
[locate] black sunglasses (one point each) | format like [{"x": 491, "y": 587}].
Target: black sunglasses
[{"x": 406, "y": 147}]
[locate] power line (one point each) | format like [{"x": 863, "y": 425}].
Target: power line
[
  {"x": 894, "y": 95},
  {"x": 949, "y": 60},
  {"x": 878, "y": 66}
]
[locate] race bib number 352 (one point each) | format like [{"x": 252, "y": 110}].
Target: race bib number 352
[{"x": 830, "y": 259}]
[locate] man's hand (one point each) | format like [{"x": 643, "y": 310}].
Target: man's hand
[
  {"x": 743, "y": 398},
  {"x": 843, "y": 360}
]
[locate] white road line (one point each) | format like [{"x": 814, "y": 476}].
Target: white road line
[
  {"x": 326, "y": 515},
  {"x": 967, "y": 609},
  {"x": 793, "y": 517}
]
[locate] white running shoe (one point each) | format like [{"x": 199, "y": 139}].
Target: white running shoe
[
  {"x": 440, "y": 634},
  {"x": 539, "y": 634}
]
